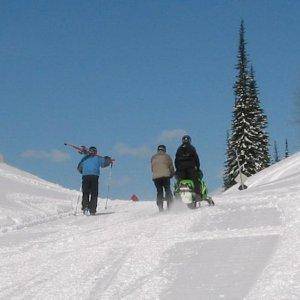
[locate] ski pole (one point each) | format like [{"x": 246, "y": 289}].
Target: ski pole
[
  {"x": 78, "y": 198},
  {"x": 108, "y": 184}
]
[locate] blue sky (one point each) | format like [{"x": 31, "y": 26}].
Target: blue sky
[{"x": 127, "y": 75}]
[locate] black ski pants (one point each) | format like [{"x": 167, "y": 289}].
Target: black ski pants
[
  {"x": 162, "y": 184},
  {"x": 190, "y": 173},
  {"x": 90, "y": 192}
]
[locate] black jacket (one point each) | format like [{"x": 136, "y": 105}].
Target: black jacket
[{"x": 186, "y": 157}]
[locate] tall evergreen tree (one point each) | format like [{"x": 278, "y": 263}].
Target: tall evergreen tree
[
  {"x": 240, "y": 140},
  {"x": 286, "y": 154},
  {"x": 248, "y": 137}
]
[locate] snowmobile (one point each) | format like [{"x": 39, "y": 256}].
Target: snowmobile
[{"x": 184, "y": 190}]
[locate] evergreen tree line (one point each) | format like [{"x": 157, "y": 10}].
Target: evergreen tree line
[{"x": 248, "y": 140}]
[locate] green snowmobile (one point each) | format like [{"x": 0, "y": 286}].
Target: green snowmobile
[{"x": 184, "y": 190}]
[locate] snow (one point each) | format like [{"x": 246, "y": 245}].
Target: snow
[
  {"x": 27, "y": 200},
  {"x": 246, "y": 247}
]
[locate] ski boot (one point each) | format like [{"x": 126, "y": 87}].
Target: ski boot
[
  {"x": 160, "y": 205},
  {"x": 169, "y": 203},
  {"x": 86, "y": 212}
]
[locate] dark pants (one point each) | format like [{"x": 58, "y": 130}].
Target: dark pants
[
  {"x": 192, "y": 174},
  {"x": 162, "y": 184},
  {"x": 90, "y": 192}
]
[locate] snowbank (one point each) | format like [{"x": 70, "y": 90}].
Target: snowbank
[
  {"x": 277, "y": 187},
  {"x": 26, "y": 199}
]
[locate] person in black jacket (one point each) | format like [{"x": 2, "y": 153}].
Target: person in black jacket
[{"x": 187, "y": 164}]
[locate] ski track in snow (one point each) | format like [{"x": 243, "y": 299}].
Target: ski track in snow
[{"x": 246, "y": 247}]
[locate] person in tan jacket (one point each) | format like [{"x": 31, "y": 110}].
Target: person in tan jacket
[{"x": 162, "y": 171}]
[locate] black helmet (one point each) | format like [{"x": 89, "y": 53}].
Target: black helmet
[
  {"x": 186, "y": 139},
  {"x": 162, "y": 148},
  {"x": 93, "y": 150}
]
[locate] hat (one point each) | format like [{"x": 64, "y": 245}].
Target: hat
[
  {"x": 186, "y": 139},
  {"x": 93, "y": 150},
  {"x": 162, "y": 148}
]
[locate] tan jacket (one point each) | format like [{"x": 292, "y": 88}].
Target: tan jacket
[{"x": 162, "y": 165}]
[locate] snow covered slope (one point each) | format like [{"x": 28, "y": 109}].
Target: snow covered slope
[
  {"x": 273, "y": 199},
  {"x": 246, "y": 247},
  {"x": 26, "y": 199}
]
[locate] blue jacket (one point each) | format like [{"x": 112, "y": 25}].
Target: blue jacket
[{"x": 90, "y": 165}]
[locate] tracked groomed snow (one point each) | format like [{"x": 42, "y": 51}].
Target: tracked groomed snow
[{"x": 247, "y": 246}]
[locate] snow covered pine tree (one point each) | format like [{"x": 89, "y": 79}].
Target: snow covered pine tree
[{"x": 248, "y": 137}]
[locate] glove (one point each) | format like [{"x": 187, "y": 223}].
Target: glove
[{"x": 108, "y": 161}]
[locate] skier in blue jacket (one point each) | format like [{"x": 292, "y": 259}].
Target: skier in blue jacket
[{"x": 89, "y": 167}]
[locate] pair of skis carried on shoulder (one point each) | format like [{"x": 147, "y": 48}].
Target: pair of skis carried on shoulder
[{"x": 85, "y": 151}]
